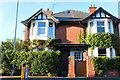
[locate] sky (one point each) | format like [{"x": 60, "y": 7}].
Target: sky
[{"x": 28, "y": 8}]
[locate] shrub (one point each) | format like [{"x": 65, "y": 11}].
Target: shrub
[
  {"x": 105, "y": 63},
  {"x": 41, "y": 62}
]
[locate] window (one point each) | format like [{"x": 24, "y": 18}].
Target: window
[
  {"x": 50, "y": 28},
  {"x": 109, "y": 27},
  {"x": 78, "y": 55},
  {"x": 100, "y": 26},
  {"x": 50, "y": 24},
  {"x": 33, "y": 25},
  {"x": 41, "y": 28},
  {"x": 110, "y": 52},
  {"x": 101, "y": 51},
  {"x": 91, "y": 24}
]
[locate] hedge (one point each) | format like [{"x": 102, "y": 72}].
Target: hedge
[
  {"x": 41, "y": 62},
  {"x": 105, "y": 63}
]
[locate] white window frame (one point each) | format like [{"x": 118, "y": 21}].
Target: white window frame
[
  {"x": 72, "y": 53},
  {"x": 102, "y": 26},
  {"x": 41, "y": 28}
]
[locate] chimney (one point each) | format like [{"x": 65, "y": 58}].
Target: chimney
[
  {"x": 48, "y": 11},
  {"x": 92, "y": 9}
]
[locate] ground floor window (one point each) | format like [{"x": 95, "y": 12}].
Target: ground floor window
[
  {"x": 77, "y": 55},
  {"x": 101, "y": 51}
]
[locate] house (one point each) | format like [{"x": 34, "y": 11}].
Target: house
[{"x": 67, "y": 25}]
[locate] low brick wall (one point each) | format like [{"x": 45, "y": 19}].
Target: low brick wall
[
  {"x": 108, "y": 73},
  {"x": 111, "y": 73}
]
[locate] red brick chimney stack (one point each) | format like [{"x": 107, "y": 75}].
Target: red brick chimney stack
[
  {"x": 48, "y": 11},
  {"x": 92, "y": 9}
]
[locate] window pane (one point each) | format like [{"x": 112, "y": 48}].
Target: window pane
[
  {"x": 91, "y": 24},
  {"x": 41, "y": 31},
  {"x": 102, "y": 52},
  {"x": 41, "y": 24},
  {"x": 78, "y": 55},
  {"x": 100, "y": 29},
  {"x": 100, "y": 24},
  {"x": 50, "y": 24}
]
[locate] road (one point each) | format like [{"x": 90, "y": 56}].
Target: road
[{"x": 63, "y": 78}]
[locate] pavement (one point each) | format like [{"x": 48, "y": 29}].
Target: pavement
[{"x": 58, "y": 78}]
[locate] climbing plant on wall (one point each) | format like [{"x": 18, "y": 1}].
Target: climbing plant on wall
[{"x": 103, "y": 40}]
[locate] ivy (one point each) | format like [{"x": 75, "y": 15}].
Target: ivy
[{"x": 103, "y": 40}]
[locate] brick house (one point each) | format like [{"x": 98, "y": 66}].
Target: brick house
[{"x": 67, "y": 25}]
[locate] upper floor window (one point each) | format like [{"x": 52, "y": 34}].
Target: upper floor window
[
  {"x": 91, "y": 24},
  {"x": 41, "y": 28},
  {"x": 50, "y": 24},
  {"x": 109, "y": 27},
  {"x": 50, "y": 29},
  {"x": 100, "y": 26},
  {"x": 33, "y": 25}
]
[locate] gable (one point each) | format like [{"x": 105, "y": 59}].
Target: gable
[
  {"x": 101, "y": 13},
  {"x": 40, "y": 15}
]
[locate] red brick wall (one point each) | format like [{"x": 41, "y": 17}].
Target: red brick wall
[
  {"x": 26, "y": 33},
  {"x": 71, "y": 67},
  {"x": 68, "y": 32},
  {"x": 91, "y": 71}
]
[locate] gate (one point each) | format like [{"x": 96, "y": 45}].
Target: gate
[{"x": 80, "y": 68}]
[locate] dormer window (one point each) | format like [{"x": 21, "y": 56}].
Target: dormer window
[
  {"x": 100, "y": 26},
  {"x": 41, "y": 28}
]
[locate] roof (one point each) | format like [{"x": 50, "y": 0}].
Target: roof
[
  {"x": 71, "y": 15},
  {"x": 102, "y": 10},
  {"x": 25, "y": 22}
]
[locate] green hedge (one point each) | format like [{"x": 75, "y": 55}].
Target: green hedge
[
  {"x": 105, "y": 63},
  {"x": 41, "y": 62}
]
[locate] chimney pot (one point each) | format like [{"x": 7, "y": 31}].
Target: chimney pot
[
  {"x": 49, "y": 11},
  {"x": 92, "y": 8}
]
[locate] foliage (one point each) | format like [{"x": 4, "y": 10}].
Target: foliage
[
  {"x": 8, "y": 44},
  {"x": 52, "y": 43},
  {"x": 81, "y": 38},
  {"x": 45, "y": 62},
  {"x": 103, "y": 40},
  {"x": 41, "y": 62},
  {"x": 6, "y": 58},
  {"x": 105, "y": 63}
]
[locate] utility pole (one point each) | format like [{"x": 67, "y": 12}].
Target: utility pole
[
  {"x": 14, "y": 48},
  {"x": 16, "y": 25}
]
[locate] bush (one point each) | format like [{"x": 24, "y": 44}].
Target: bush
[
  {"x": 105, "y": 63},
  {"x": 41, "y": 62}
]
